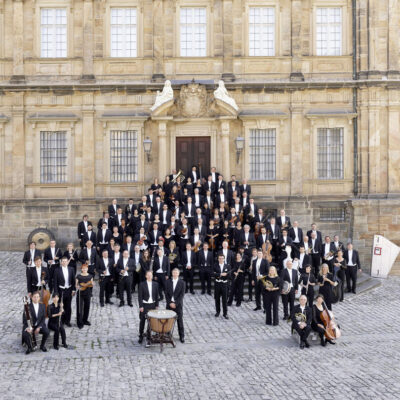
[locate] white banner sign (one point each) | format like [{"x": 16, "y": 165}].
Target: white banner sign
[{"x": 384, "y": 254}]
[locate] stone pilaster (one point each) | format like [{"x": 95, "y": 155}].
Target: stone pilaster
[
  {"x": 88, "y": 40},
  {"x": 224, "y": 154},
  {"x": 88, "y": 146},
  {"x": 18, "y": 41},
  {"x": 296, "y": 154},
  {"x": 158, "y": 41},
  {"x": 227, "y": 26},
  {"x": 18, "y": 147},
  {"x": 162, "y": 149},
  {"x": 297, "y": 16}
]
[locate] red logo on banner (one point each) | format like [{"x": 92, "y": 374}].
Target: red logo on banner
[{"x": 378, "y": 251}]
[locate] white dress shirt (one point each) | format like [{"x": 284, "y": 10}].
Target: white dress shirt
[
  {"x": 174, "y": 283},
  {"x": 36, "y": 308},
  {"x": 150, "y": 288},
  {"x": 350, "y": 258},
  {"x": 66, "y": 276},
  {"x": 107, "y": 272},
  {"x": 160, "y": 270}
]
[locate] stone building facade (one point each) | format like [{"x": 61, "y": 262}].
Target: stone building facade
[{"x": 316, "y": 83}]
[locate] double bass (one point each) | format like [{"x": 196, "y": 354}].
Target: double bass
[
  {"x": 44, "y": 295},
  {"x": 332, "y": 330}
]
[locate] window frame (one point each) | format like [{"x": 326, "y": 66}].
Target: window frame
[
  {"x": 110, "y": 26},
  {"x": 261, "y": 6},
  {"x": 329, "y": 176}
]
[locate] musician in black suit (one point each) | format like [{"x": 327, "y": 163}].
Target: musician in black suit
[
  {"x": 283, "y": 221},
  {"x": 54, "y": 312},
  {"x": 260, "y": 268},
  {"x": 315, "y": 252},
  {"x": 303, "y": 260},
  {"x": 142, "y": 223},
  {"x": 194, "y": 174},
  {"x": 274, "y": 232},
  {"x": 303, "y": 328},
  {"x": 103, "y": 238},
  {"x": 237, "y": 283},
  {"x": 206, "y": 267},
  {"x": 37, "y": 277},
  {"x": 174, "y": 293},
  {"x": 106, "y": 218},
  {"x": 165, "y": 217},
  {"x": 52, "y": 256},
  {"x": 125, "y": 268},
  {"x": 220, "y": 184},
  {"x": 198, "y": 199},
  {"x": 353, "y": 264},
  {"x": 247, "y": 240},
  {"x": 139, "y": 272},
  {"x": 296, "y": 234},
  {"x": 220, "y": 197},
  {"x": 82, "y": 228},
  {"x": 89, "y": 235},
  {"x": 228, "y": 254},
  {"x": 161, "y": 271},
  {"x": 221, "y": 273},
  {"x": 129, "y": 210},
  {"x": 214, "y": 174},
  {"x": 37, "y": 313},
  {"x": 113, "y": 207},
  {"x": 291, "y": 276},
  {"x": 64, "y": 286},
  {"x": 210, "y": 186},
  {"x": 154, "y": 236},
  {"x": 88, "y": 256},
  {"x": 158, "y": 206},
  {"x": 313, "y": 229},
  {"x": 30, "y": 255},
  {"x": 188, "y": 260},
  {"x": 105, "y": 270},
  {"x": 337, "y": 245},
  {"x": 262, "y": 238},
  {"x": 148, "y": 300},
  {"x": 284, "y": 240}
]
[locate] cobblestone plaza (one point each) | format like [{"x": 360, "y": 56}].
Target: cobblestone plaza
[{"x": 240, "y": 358}]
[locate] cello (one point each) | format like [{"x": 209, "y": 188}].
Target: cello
[
  {"x": 44, "y": 295},
  {"x": 332, "y": 330}
]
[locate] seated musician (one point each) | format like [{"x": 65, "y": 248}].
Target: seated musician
[
  {"x": 317, "y": 324},
  {"x": 37, "y": 313},
  {"x": 55, "y": 324},
  {"x": 148, "y": 300},
  {"x": 301, "y": 320}
]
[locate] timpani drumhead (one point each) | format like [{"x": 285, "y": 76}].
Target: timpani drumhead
[
  {"x": 161, "y": 321},
  {"x": 161, "y": 314}
]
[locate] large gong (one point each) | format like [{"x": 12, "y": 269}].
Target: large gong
[{"x": 42, "y": 237}]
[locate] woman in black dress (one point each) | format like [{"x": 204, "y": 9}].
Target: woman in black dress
[
  {"x": 55, "y": 323},
  {"x": 325, "y": 281},
  {"x": 307, "y": 281},
  {"x": 317, "y": 324},
  {"x": 339, "y": 271},
  {"x": 271, "y": 296},
  {"x": 84, "y": 284},
  {"x": 72, "y": 256},
  {"x": 173, "y": 255},
  {"x": 116, "y": 235}
]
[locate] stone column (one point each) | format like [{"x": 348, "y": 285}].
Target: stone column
[
  {"x": 18, "y": 41},
  {"x": 162, "y": 150},
  {"x": 158, "y": 41},
  {"x": 87, "y": 73},
  {"x": 225, "y": 154},
  {"x": 18, "y": 147},
  {"x": 227, "y": 34},
  {"x": 88, "y": 148}
]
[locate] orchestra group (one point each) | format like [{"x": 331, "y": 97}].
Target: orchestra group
[{"x": 190, "y": 225}]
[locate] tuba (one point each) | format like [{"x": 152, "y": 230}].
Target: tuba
[{"x": 179, "y": 175}]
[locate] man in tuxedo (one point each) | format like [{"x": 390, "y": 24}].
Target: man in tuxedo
[
  {"x": 188, "y": 261},
  {"x": 103, "y": 237},
  {"x": 37, "y": 312},
  {"x": 283, "y": 221},
  {"x": 37, "y": 277},
  {"x": 337, "y": 245},
  {"x": 220, "y": 198},
  {"x": 303, "y": 260},
  {"x": 274, "y": 232},
  {"x": 52, "y": 256},
  {"x": 284, "y": 241},
  {"x": 214, "y": 174},
  {"x": 142, "y": 223},
  {"x": 148, "y": 300},
  {"x": 262, "y": 237},
  {"x": 194, "y": 175},
  {"x": 303, "y": 328},
  {"x": 161, "y": 271},
  {"x": 227, "y": 253},
  {"x": 174, "y": 293},
  {"x": 221, "y": 272},
  {"x": 221, "y": 184},
  {"x": 64, "y": 286},
  {"x": 353, "y": 264},
  {"x": 296, "y": 234},
  {"x": 260, "y": 268},
  {"x": 142, "y": 206},
  {"x": 158, "y": 206},
  {"x": 197, "y": 198},
  {"x": 244, "y": 187},
  {"x": 328, "y": 253},
  {"x": 154, "y": 236},
  {"x": 112, "y": 208},
  {"x": 125, "y": 268},
  {"x": 30, "y": 255},
  {"x": 139, "y": 272},
  {"x": 318, "y": 234},
  {"x": 291, "y": 276},
  {"x": 206, "y": 266},
  {"x": 247, "y": 240},
  {"x": 106, "y": 219},
  {"x": 83, "y": 228},
  {"x": 151, "y": 198},
  {"x": 118, "y": 217},
  {"x": 88, "y": 255},
  {"x": 129, "y": 210},
  {"x": 105, "y": 271},
  {"x": 316, "y": 252},
  {"x": 89, "y": 235},
  {"x": 210, "y": 185},
  {"x": 165, "y": 217}
]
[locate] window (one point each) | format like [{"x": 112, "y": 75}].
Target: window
[
  {"x": 123, "y": 156},
  {"x": 123, "y": 32},
  {"x": 262, "y": 31},
  {"x": 262, "y": 154},
  {"x": 330, "y": 153},
  {"x": 53, "y": 157},
  {"x": 329, "y": 31},
  {"x": 332, "y": 214},
  {"x": 193, "y": 32},
  {"x": 53, "y": 30}
]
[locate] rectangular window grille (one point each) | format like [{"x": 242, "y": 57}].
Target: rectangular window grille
[
  {"x": 262, "y": 31},
  {"x": 53, "y": 31},
  {"x": 193, "y": 32},
  {"x": 329, "y": 31},
  {"x": 263, "y": 154},
  {"x": 332, "y": 214},
  {"x": 53, "y": 157},
  {"x": 123, "y": 156},
  {"x": 330, "y": 153},
  {"x": 123, "y": 32}
]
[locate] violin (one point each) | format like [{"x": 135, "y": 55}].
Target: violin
[
  {"x": 332, "y": 330},
  {"x": 267, "y": 251}
]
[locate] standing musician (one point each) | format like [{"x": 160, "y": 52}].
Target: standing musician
[
  {"x": 89, "y": 235},
  {"x": 289, "y": 275},
  {"x": 30, "y": 255},
  {"x": 64, "y": 286},
  {"x": 206, "y": 267},
  {"x": 221, "y": 272},
  {"x": 301, "y": 316},
  {"x": 72, "y": 256},
  {"x": 55, "y": 311},
  {"x": 174, "y": 293},
  {"x": 148, "y": 300},
  {"x": 84, "y": 284},
  {"x": 237, "y": 283},
  {"x": 353, "y": 263},
  {"x": 52, "y": 257},
  {"x": 316, "y": 250},
  {"x": 228, "y": 254},
  {"x": 328, "y": 253},
  {"x": 105, "y": 271},
  {"x": 247, "y": 239},
  {"x": 139, "y": 272},
  {"x": 83, "y": 228},
  {"x": 296, "y": 234},
  {"x": 188, "y": 261},
  {"x": 37, "y": 277},
  {"x": 283, "y": 221},
  {"x": 274, "y": 235},
  {"x": 249, "y": 271},
  {"x": 303, "y": 259},
  {"x": 317, "y": 324},
  {"x": 272, "y": 287},
  {"x": 307, "y": 282},
  {"x": 260, "y": 267},
  {"x": 88, "y": 256},
  {"x": 161, "y": 270},
  {"x": 37, "y": 313},
  {"x": 103, "y": 237},
  {"x": 326, "y": 284},
  {"x": 339, "y": 271},
  {"x": 125, "y": 268}
]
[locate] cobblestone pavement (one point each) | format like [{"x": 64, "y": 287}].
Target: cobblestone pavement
[{"x": 240, "y": 358}]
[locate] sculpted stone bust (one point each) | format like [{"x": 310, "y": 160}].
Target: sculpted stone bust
[
  {"x": 167, "y": 94},
  {"x": 222, "y": 94}
]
